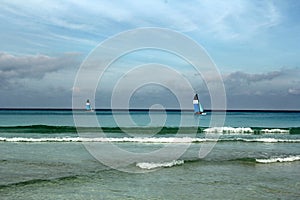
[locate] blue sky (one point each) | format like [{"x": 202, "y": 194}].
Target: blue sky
[{"x": 255, "y": 45}]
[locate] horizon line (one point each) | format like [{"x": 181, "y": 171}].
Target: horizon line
[{"x": 147, "y": 109}]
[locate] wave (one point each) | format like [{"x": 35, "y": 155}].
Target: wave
[
  {"x": 228, "y": 130},
  {"x": 162, "y": 130},
  {"x": 268, "y": 140},
  {"x": 276, "y": 130},
  {"x": 248, "y": 130},
  {"x": 278, "y": 159},
  {"x": 39, "y": 181},
  {"x": 146, "y": 139},
  {"x": 152, "y": 165},
  {"x": 105, "y": 139},
  {"x": 273, "y": 159},
  {"x": 37, "y": 129}
]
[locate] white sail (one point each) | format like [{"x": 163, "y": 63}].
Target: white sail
[{"x": 88, "y": 106}]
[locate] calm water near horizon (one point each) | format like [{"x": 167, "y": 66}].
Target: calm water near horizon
[{"x": 256, "y": 156}]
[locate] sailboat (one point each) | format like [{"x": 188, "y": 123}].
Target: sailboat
[
  {"x": 88, "y": 106},
  {"x": 198, "y": 109}
]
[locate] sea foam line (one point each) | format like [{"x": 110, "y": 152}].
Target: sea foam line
[
  {"x": 279, "y": 159},
  {"x": 243, "y": 130},
  {"x": 228, "y": 130},
  {"x": 268, "y": 140},
  {"x": 104, "y": 139},
  {"x": 276, "y": 130},
  {"x": 147, "y": 139},
  {"x": 152, "y": 165}
]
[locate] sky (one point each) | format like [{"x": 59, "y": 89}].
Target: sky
[{"x": 255, "y": 45}]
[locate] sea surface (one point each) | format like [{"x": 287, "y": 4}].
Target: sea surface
[{"x": 61, "y": 154}]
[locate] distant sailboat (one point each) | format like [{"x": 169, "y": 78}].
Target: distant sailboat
[
  {"x": 198, "y": 109},
  {"x": 88, "y": 106}
]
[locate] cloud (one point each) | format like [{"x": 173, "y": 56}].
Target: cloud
[
  {"x": 295, "y": 91},
  {"x": 270, "y": 89},
  {"x": 55, "y": 27},
  {"x": 223, "y": 20},
  {"x": 16, "y": 68},
  {"x": 260, "y": 83},
  {"x": 239, "y": 19},
  {"x": 241, "y": 78},
  {"x": 274, "y": 89}
]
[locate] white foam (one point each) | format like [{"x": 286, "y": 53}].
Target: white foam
[
  {"x": 144, "y": 139},
  {"x": 228, "y": 130},
  {"x": 269, "y": 140},
  {"x": 266, "y": 140},
  {"x": 244, "y": 130},
  {"x": 55, "y": 139},
  {"x": 279, "y": 159},
  {"x": 152, "y": 165},
  {"x": 276, "y": 130},
  {"x": 103, "y": 139}
]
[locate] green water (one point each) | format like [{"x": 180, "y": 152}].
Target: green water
[{"x": 51, "y": 161}]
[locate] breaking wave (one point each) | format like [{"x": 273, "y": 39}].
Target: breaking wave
[
  {"x": 155, "y": 165},
  {"x": 247, "y": 130},
  {"x": 162, "y": 130},
  {"x": 276, "y": 130},
  {"x": 146, "y": 139},
  {"x": 278, "y": 159},
  {"x": 228, "y": 130},
  {"x": 152, "y": 165}
]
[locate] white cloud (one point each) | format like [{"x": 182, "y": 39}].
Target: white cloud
[
  {"x": 236, "y": 19},
  {"x": 295, "y": 91},
  {"x": 225, "y": 20}
]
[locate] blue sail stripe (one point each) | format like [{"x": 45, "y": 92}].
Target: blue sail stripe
[{"x": 196, "y": 108}]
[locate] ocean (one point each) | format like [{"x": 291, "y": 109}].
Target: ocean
[{"x": 47, "y": 154}]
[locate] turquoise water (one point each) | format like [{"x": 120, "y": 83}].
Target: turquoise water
[
  {"x": 106, "y": 118},
  {"x": 255, "y": 156}
]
